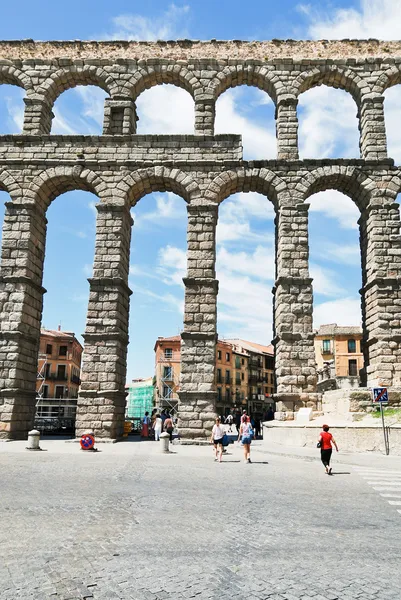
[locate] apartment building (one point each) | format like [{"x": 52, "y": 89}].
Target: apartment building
[
  {"x": 338, "y": 351},
  {"x": 244, "y": 374},
  {"x": 59, "y": 368}
]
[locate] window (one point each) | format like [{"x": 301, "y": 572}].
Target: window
[
  {"x": 59, "y": 391},
  {"x": 45, "y": 390},
  {"x": 167, "y": 392},
  {"x": 218, "y": 354},
  {"x": 352, "y": 368},
  {"x": 167, "y": 373},
  {"x": 219, "y": 380},
  {"x": 61, "y": 372},
  {"x": 242, "y": 376},
  {"x": 227, "y": 357},
  {"x": 47, "y": 372},
  {"x": 326, "y": 346},
  {"x": 49, "y": 348},
  {"x": 227, "y": 376},
  {"x": 168, "y": 353},
  {"x": 237, "y": 362},
  {"x": 243, "y": 361},
  {"x": 62, "y": 351},
  {"x": 228, "y": 395},
  {"x": 351, "y": 346},
  {"x": 218, "y": 394},
  {"x": 238, "y": 378}
]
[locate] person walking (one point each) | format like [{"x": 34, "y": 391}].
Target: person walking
[
  {"x": 229, "y": 422},
  {"x": 217, "y": 439},
  {"x": 325, "y": 444},
  {"x": 145, "y": 425},
  {"x": 245, "y": 436},
  {"x": 157, "y": 427},
  {"x": 168, "y": 427},
  {"x": 237, "y": 420}
]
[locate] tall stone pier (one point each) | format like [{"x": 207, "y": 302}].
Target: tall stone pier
[{"x": 121, "y": 167}]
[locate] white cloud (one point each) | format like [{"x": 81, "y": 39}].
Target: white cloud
[
  {"x": 328, "y": 126},
  {"x": 374, "y": 19},
  {"x": 235, "y": 215},
  {"x": 324, "y": 281},
  {"x": 337, "y": 206},
  {"x": 87, "y": 270},
  {"x": 61, "y": 125},
  {"x": 392, "y": 104},
  {"x": 92, "y": 99},
  {"x": 259, "y": 141},
  {"x": 172, "y": 265},
  {"x": 344, "y": 311},
  {"x": 169, "y": 207},
  {"x": 165, "y": 109},
  {"x": 15, "y": 109},
  {"x": 347, "y": 254},
  {"x": 171, "y": 24},
  {"x": 258, "y": 264}
]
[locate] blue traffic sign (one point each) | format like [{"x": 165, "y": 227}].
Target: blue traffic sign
[{"x": 380, "y": 395}]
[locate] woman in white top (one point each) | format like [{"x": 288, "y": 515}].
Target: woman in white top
[
  {"x": 157, "y": 426},
  {"x": 217, "y": 439}
]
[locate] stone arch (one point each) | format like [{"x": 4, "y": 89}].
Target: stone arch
[
  {"x": 173, "y": 74},
  {"x": 347, "y": 180},
  {"x": 13, "y": 76},
  {"x": 262, "y": 181},
  {"x": 56, "y": 181},
  {"x": 159, "y": 179},
  {"x": 387, "y": 79},
  {"x": 332, "y": 76},
  {"x": 244, "y": 74},
  {"x": 64, "y": 79},
  {"x": 10, "y": 185}
]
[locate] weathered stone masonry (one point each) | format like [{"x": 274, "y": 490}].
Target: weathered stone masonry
[{"x": 121, "y": 167}]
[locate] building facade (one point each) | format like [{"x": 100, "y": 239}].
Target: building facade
[
  {"x": 339, "y": 355},
  {"x": 167, "y": 371},
  {"x": 59, "y": 372},
  {"x": 244, "y": 374}
]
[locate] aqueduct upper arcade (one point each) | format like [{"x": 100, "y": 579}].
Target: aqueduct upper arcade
[{"x": 120, "y": 167}]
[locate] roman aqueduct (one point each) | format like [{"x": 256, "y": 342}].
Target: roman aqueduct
[{"x": 121, "y": 167}]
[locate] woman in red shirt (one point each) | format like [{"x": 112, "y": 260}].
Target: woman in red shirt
[{"x": 325, "y": 442}]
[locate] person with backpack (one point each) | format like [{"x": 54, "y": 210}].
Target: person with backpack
[
  {"x": 325, "y": 444},
  {"x": 245, "y": 436}
]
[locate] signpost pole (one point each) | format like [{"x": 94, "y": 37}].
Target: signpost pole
[{"x": 386, "y": 445}]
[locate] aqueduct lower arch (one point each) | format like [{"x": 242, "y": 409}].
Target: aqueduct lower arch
[{"x": 121, "y": 167}]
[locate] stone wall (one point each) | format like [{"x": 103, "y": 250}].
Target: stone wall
[{"x": 121, "y": 167}]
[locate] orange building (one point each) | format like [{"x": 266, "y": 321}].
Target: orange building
[
  {"x": 244, "y": 374},
  {"x": 339, "y": 346},
  {"x": 59, "y": 368}
]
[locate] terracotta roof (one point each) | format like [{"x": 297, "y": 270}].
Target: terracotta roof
[
  {"x": 55, "y": 333},
  {"x": 334, "y": 329},
  {"x": 173, "y": 338},
  {"x": 252, "y": 346}
]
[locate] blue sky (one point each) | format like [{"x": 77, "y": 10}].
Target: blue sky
[{"x": 245, "y": 256}]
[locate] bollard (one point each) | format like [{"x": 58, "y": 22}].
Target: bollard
[
  {"x": 33, "y": 440},
  {"x": 164, "y": 442}
]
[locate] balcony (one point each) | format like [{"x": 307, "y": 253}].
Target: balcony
[
  {"x": 326, "y": 350},
  {"x": 75, "y": 379},
  {"x": 57, "y": 376},
  {"x": 174, "y": 357}
]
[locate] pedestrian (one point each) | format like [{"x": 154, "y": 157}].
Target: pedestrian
[
  {"x": 257, "y": 427},
  {"x": 245, "y": 436},
  {"x": 269, "y": 416},
  {"x": 163, "y": 415},
  {"x": 325, "y": 444},
  {"x": 237, "y": 420},
  {"x": 229, "y": 422},
  {"x": 217, "y": 439},
  {"x": 168, "y": 426},
  {"x": 145, "y": 425},
  {"x": 157, "y": 427},
  {"x": 244, "y": 417}
]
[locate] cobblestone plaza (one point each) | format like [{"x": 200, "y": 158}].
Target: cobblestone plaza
[
  {"x": 130, "y": 523},
  {"x": 121, "y": 167}
]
